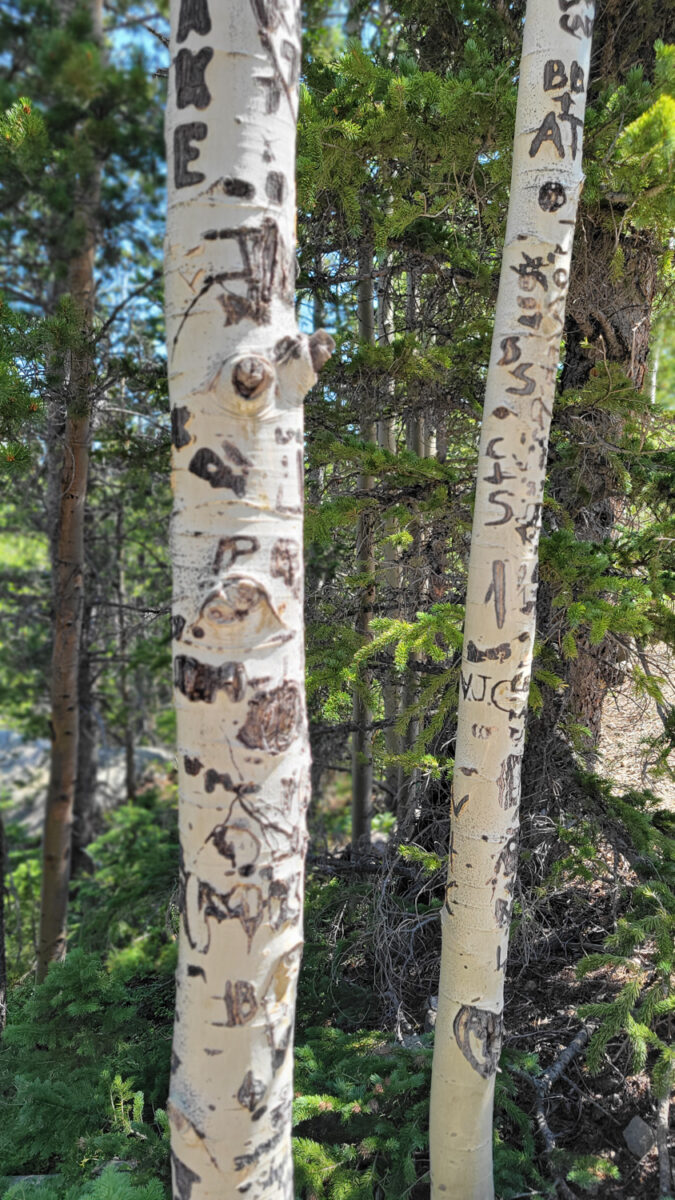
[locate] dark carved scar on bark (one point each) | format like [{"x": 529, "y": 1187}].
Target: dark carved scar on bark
[
  {"x": 183, "y": 1178},
  {"x": 241, "y": 1002},
  {"x": 264, "y": 270},
  {"x": 232, "y": 548},
  {"x": 507, "y": 861},
  {"x": 269, "y": 16},
  {"x": 478, "y": 1033},
  {"x": 498, "y": 653},
  {"x": 208, "y": 465},
  {"x": 244, "y": 903},
  {"x": 273, "y": 720},
  {"x": 239, "y": 188},
  {"x": 238, "y": 845},
  {"x": 179, "y": 418},
  {"x": 192, "y": 765},
  {"x": 191, "y": 85},
  {"x": 214, "y": 778},
  {"x": 249, "y": 1160},
  {"x": 285, "y": 560},
  {"x": 508, "y": 784},
  {"x": 194, "y": 14},
  {"x": 177, "y": 626},
  {"x": 201, "y": 681},
  {"x": 184, "y": 153},
  {"x": 497, "y": 590},
  {"x": 251, "y": 1092}
]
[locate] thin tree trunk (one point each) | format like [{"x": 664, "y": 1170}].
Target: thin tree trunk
[
  {"x": 238, "y": 371},
  {"x": 84, "y": 822},
  {"x": 123, "y": 645},
  {"x": 501, "y": 596},
  {"x": 68, "y": 579},
  {"x": 414, "y": 442},
  {"x": 391, "y": 690},
  {"x": 3, "y": 950},
  {"x": 362, "y": 737}
]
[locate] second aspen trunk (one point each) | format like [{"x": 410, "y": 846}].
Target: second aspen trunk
[{"x": 501, "y": 596}]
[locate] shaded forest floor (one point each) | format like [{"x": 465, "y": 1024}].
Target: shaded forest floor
[{"x": 361, "y": 1094}]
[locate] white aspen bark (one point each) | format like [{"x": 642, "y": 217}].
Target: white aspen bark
[
  {"x": 500, "y": 609},
  {"x": 238, "y": 372}
]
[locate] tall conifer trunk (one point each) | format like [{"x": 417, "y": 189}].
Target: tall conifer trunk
[
  {"x": 238, "y": 372},
  {"x": 68, "y": 575},
  {"x": 3, "y": 951},
  {"x": 362, "y": 717},
  {"x": 501, "y": 596}
]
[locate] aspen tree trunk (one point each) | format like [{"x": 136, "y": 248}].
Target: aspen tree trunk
[
  {"x": 500, "y": 609},
  {"x": 362, "y": 717},
  {"x": 238, "y": 372},
  {"x": 67, "y": 583}
]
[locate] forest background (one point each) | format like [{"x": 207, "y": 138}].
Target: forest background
[{"x": 405, "y": 132}]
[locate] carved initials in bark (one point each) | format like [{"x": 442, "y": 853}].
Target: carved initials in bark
[
  {"x": 574, "y": 23},
  {"x": 184, "y": 153},
  {"x": 194, "y": 14},
  {"x": 241, "y": 1002},
  {"x": 209, "y": 466},
  {"x": 266, "y": 268},
  {"x": 232, "y": 548},
  {"x": 190, "y": 83},
  {"x": 479, "y": 1036}
]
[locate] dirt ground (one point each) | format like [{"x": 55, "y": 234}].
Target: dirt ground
[
  {"x": 628, "y": 722},
  {"x": 589, "y": 1114}
]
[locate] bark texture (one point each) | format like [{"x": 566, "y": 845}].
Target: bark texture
[
  {"x": 501, "y": 596},
  {"x": 3, "y": 953},
  {"x": 238, "y": 372},
  {"x": 362, "y": 737},
  {"x": 68, "y": 578}
]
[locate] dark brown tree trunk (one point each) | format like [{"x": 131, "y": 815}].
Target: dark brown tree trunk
[
  {"x": 123, "y": 644},
  {"x": 3, "y": 952},
  {"x": 362, "y": 717},
  {"x": 84, "y": 822},
  {"x": 68, "y": 581}
]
